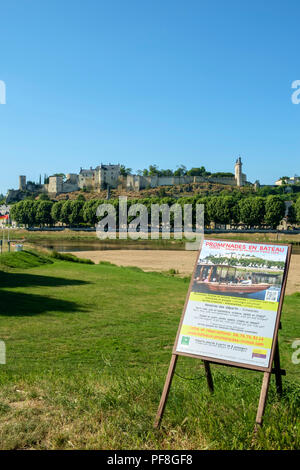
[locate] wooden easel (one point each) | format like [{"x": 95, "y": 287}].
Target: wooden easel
[
  {"x": 265, "y": 385},
  {"x": 263, "y": 394},
  {"x": 274, "y": 359}
]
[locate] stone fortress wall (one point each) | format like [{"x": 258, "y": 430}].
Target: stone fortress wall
[
  {"x": 109, "y": 176},
  {"x": 138, "y": 182}
]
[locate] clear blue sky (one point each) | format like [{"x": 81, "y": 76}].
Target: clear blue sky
[{"x": 138, "y": 82}]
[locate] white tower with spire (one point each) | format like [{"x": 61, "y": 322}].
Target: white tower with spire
[{"x": 238, "y": 172}]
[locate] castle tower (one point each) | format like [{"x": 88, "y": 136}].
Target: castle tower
[
  {"x": 22, "y": 183},
  {"x": 238, "y": 172},
  {"x": 55, "y": 185}
]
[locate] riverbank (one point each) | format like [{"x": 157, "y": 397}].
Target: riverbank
[
  {"x": 182, "y": 262},
  {"x": 68, "y": 240}
]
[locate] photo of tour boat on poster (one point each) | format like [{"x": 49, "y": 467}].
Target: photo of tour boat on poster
[{"x": 232, "y": 307}]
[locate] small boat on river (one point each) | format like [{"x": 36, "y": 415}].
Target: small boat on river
[{"x": 237, "y": 288}]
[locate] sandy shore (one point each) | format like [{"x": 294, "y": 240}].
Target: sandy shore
[{"x": 163, "y": 260}]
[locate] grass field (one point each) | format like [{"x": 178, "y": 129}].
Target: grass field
[{"x": 88, "y": 348}]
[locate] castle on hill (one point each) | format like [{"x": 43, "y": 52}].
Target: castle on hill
[{"x": 109, "y": 176}]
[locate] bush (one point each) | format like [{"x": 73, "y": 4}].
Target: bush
[
  {"x": 106, "y": 263},
  {"x": 69, "y": 257}
]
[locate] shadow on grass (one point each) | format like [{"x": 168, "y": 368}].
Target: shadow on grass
[
  {"x": 22, "y": 280},
  {"x": 25, "y": 305}
]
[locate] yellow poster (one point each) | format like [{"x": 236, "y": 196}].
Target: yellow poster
[{"x": 232, "y": 307}]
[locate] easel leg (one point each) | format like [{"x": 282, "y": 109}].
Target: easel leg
[
  {"x": 262, "y": 399},
  {"x": 277, "y": 370},
  {"x": 208, "y": 376},
  {"x": 165, "y": 392}
]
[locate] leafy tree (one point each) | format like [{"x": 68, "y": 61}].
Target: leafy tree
[
  {"x": 221, "y": 210},
  {"x": 197, "y": 172},
  {"x": 28, "y": 212},
  {"x": 43, "y": 212},
  {"x": 225, "y": 212},
  {"x": 15, "y": 213},
  {"x": 125, "y": 171},
  {"x": 275, "y": 210},
  {"x": 212, "y": 209},
  {"x": 153, "y": 170},
  {"x": 204, "y": 201},
  {"x": 56, "y": 211},
  {"x": 23, "y": 212},
  {"x": 181, "y": 171},
  {"x": 297, "y": 209},
  {"x": 167, "y": 172},
  {"x": 292, "y": 215},
  {"x": 252, "y": 210},
  {"x": 89, "y": 211},
  {"x": 233, "y": 206},
  {"x": 65, "y": 212},
  {"x": 76, "y": 212}
]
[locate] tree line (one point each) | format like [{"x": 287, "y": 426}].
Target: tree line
[
  {"x": 249, "y": 211},
  {"x": 181, "y": 170}
]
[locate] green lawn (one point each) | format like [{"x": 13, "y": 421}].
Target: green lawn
[{"x": 88, "y": 348}]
